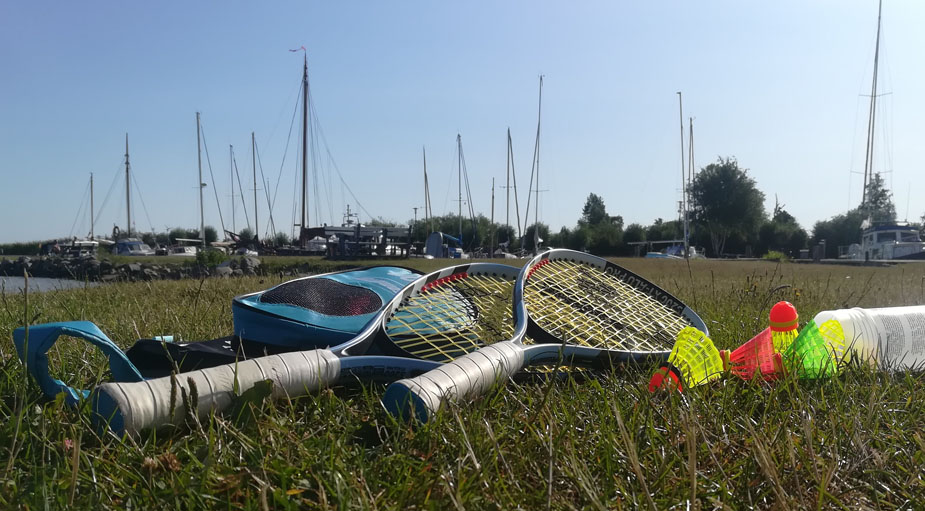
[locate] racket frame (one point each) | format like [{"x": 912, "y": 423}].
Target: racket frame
[
  {"x": 469, "y": 376},
  {"x": 129, "y": 408}
]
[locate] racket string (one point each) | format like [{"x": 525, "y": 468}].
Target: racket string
[
  {"x": 454, "y": 317},
  {"x": 583, "y": 305}
]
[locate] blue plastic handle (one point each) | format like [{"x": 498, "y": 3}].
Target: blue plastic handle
[{"x": 34, "y": 355}]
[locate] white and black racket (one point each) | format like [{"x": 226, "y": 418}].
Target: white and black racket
[
  {"x": 577, "y": 309},
  {"x": 434, "y": 320}
]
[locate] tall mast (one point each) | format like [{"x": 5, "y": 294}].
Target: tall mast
[
  {"x": 507, "y": 188},
  {"x": 536, "y": 213},
  {"x": 231, "y": 166},
  {"x": 202, "y": 217},
  {"x": 128, "y": 192},
  {"x": 254, "y": 164},
  {"x": 304, "y": 220},
  {"x": 491, "y": 247},
  {"x": 91, "y": 205},
  {"x": 459, "y": 173},
  {"x": 869, "y": 156},
  {"x": 683, "y": 172}
]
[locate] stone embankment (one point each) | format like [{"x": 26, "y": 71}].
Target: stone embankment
[{"x": 105, "y": 271}]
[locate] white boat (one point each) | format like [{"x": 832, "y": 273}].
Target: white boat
[
  {"x": 886, "y": 242},
  {"x": 132, "y": 247},
  {"x": 182, "y": 251}
]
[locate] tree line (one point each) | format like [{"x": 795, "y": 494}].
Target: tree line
[{"x": 726, "y": 216}]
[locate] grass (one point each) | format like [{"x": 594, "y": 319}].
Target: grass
[{"x": 853, "y": 442}]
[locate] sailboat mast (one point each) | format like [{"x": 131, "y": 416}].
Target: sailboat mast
[
  {"x": 683, "y": 172},
  {"x": 91, "y": 205},
  {"x": 491, "y": 247},
  {"x": 202, "y": 217},
  {"x": 869, "y": 156},
  {"x": 536, "y": 213},
  {"x": 254, "y": 164},
  {"x": 128, "y": 192},
  {"x": 459, "y": 173},
  {"x": 304, "y": 220},
  {"x": 507, "y": 188},
  {"x": 231, "y": 167}
]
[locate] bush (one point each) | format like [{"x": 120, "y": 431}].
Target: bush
[
  {"x": 774, "y": 255},
  {"x": 210, "y": 257}
]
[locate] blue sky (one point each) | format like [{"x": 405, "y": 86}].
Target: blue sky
[{"x": 778, "y": 85}]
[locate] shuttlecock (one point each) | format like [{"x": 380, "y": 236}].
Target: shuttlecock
[
  {"x": 756, "y": 358},
  {"x": 817, "y": 351},
  {"x": 784, "y": 321},
  {"x": 694, "y": 360}
]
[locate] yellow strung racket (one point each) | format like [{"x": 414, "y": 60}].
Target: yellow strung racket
[{"x": 577, "y": 309}]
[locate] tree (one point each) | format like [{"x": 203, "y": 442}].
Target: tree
[
  {"x": 561, "y": 238},
  {"x": 246, "y": 234},
  {"x": 840, "y": 230},
  {"x": 179, "y": 232},
  {"x": 634, "y": 233},
  {"x": 726, "y": 202},
  {"x": 594, "y": 211},
  {"x": 149, "y": 239},
  {"x": 281, "y": 239},
  {"x": 879, "y": 202},
  {"x": 211, "y": 234},
  {"x": 661, "y": 230},
  {"x": 527, "y": 240},
  {"x": 782, "y": 233}
]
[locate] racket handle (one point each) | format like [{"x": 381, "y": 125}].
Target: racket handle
[
  {"x": 129, "y": 408},
  {"x": 464, "y": 378}
]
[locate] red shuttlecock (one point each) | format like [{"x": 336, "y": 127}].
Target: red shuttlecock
[
  {"x": 784, "y": 321},
  {"x": 754, "y": 359}
]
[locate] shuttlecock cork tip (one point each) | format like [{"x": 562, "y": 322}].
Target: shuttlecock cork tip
[
  {"x": 667, "y": 378},
  {"x": 784, "y": 317}
]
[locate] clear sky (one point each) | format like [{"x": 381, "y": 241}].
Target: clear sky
[{"x": 778, "y": 85}]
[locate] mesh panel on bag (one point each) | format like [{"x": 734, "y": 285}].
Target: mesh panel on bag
[{"x": 325, "y": 296}]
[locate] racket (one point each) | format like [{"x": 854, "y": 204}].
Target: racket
[
  {"x": 578, "y": 309},
  {"x": 433, "y": 320}
]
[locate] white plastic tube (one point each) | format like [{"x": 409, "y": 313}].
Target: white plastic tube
[{"x": 892, "y": 338}]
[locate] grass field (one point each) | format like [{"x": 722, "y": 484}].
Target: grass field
[{"x": 853, "y": 442}]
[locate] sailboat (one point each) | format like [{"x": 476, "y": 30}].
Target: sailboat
[{"x": 890, "y": 240}]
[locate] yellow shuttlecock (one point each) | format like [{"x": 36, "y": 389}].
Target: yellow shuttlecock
[
  {"x": 694, "y": 360},
  {"x": 817, "y": 351}
]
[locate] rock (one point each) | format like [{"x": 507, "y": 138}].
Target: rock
[
  {"x": 223, "y": 271},
  {"x": 250, "y": 262},
  {"x": 238, "y": 272}
]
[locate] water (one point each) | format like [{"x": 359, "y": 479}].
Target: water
[{"x": 38, "y": 284}]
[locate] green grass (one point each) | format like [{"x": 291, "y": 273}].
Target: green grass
[{"x": 852, "y": 442}]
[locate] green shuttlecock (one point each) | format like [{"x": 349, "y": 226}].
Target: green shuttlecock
[{"x": 817, "y": 351}]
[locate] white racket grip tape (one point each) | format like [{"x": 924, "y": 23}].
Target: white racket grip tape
[
  {"x": 462, "y": 379},
  {"x": 129, "y": 408}
]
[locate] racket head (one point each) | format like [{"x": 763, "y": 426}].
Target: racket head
[
  {"x": 607, "y": 312},
  {"x": 450, "y": 312}
]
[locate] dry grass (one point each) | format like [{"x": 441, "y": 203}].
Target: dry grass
[{"x": 852, "y": 442}]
